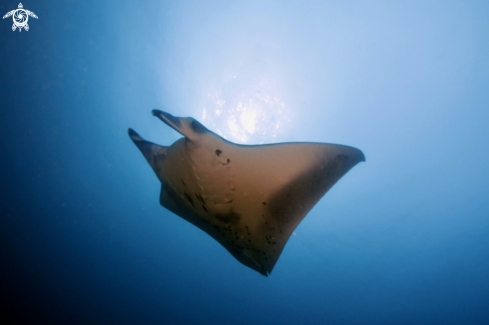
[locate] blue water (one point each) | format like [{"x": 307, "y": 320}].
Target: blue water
[{"x": 401, "y": 239}]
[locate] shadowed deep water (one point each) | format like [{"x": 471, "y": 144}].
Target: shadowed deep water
[{"x": 401, "y": 239}]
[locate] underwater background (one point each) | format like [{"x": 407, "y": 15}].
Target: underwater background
[{"x": 400, "y": 239}]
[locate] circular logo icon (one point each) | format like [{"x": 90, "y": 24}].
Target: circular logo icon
[{"x": 20, "y": 18}]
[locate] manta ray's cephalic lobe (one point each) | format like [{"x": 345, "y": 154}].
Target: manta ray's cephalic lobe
[{"x": 248, "y": 198}]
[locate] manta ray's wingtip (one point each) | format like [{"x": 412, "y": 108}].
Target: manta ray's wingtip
[
  {"x": 362, "y": 156},
  {"x": 133, "y": 135},
  {"x": 356, "y": 154}
]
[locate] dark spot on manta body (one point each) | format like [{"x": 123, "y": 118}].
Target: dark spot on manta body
[
  {"x": 230, "y": 216},
  {"x": 188, "y": 198}
]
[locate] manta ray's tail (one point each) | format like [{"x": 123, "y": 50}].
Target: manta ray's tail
[{"x": 152, "y": 152}]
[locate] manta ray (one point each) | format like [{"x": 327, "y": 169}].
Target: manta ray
[{"x": 249, "y": 198}]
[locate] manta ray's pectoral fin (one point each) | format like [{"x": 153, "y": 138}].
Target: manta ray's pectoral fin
[{"x": 152, "y": 152}]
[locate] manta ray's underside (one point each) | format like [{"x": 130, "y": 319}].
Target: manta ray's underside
[{"x": 248, "y": 198}]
